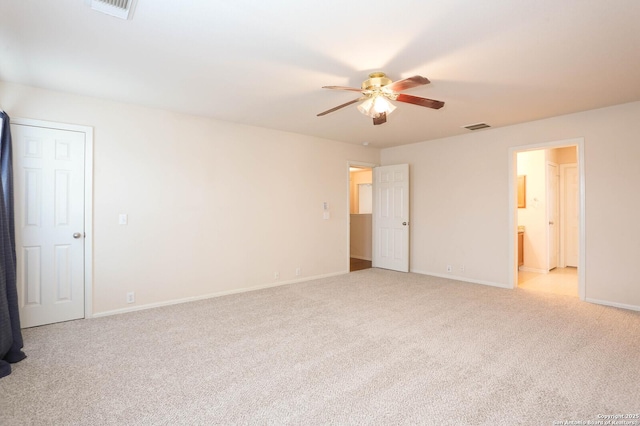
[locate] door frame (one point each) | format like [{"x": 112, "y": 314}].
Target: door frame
[
  {"x": 353, "y": 164},
  {"x": 88, "y": 199},
  {"x": 556, "y": 215},
  {"x": 512, "y": 221}
]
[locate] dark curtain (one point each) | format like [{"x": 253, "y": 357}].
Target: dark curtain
[{"x": 10, "y": 334}]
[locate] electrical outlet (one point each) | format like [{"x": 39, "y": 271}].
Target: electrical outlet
[
  {"x": 461, "y": 268},
  {"x": 123, "y": 219},
  {"x": 276, "y": 275},
  {"x": 449, "y": 268},
  {"x": 298, "y": 271},
  {"x": 131, "y": 297}
]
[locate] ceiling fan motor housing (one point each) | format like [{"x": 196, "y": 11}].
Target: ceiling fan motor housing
[{"x": 376, "y": 80}]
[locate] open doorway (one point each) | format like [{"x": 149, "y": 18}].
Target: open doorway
[
  {"x": 360, "y": 217},
  {"x": 548, "y": 217}
]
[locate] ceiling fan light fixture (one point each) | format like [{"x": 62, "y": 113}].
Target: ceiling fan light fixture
[
  {"x": 375, "y": 106},
  {"x": 366, "y": 107},
  {"x": 382, "y": 104}
]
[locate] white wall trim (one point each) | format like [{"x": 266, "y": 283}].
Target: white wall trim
[
  {"x": 88, "y": 199},
  {"x": 212, "y": 295},
  {"x": 512, "y": 217},
  {"x": 613, "y": 304},
  {"x": 582, "y": 231},
  {"x": 459, "y": 278}
]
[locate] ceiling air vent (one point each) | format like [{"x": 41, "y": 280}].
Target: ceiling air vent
[
  {"x": 476, "y": 126},
  {"x": 122, "y": 9}
]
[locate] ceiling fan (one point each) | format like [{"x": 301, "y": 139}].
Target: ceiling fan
[{"x": 378, "y": 89}]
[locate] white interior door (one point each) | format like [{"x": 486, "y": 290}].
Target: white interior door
[
  {"x": 391, "y": 217},
  {"x": 49, "y": 212},
  {"x": 570, "y": 216},
  {"x": 552, "y": 214}
]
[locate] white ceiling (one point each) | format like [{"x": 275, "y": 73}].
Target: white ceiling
[{"x": 263, "y": 63}]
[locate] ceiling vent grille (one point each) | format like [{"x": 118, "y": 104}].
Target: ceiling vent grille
[
  {"x": 122, "y": 9},
  {"x": 476, "y": 126}
]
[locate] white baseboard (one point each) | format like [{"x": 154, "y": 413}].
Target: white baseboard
[
  {"x": 459, "y": 278},
  {"x": 361, "y": 257},
  {"x": 614, "y": 304},
  {"x": 527, "y": 269},
  {"x": 211, "y": 295}
]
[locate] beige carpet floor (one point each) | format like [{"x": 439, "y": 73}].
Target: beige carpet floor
[{"x": 370, "y": 347}]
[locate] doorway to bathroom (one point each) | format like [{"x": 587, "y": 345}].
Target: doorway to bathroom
[{"x": 548, "y": 218}]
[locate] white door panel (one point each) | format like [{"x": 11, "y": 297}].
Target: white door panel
[
  {"x": 571, "y": 215},
  {"x": 49, "y": 208},
  {"x": 391, "y": 217}
]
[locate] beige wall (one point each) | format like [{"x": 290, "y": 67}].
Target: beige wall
[
  {"x": 213, "y": 206},
  {"x": 460, "y": 199},
  {"x": 190, "y": 234}
]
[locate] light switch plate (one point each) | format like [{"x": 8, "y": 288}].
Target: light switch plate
[{"x": 123, "y": 219}]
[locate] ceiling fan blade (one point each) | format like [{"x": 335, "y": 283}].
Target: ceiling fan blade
[
  {"x": 416, "y": 100},
  {"x": 351, "y": 89},
  {"x": 381, "y": 119},
  {"x": 338, "y": 107},
  {"x": 407, "y": 83}
]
